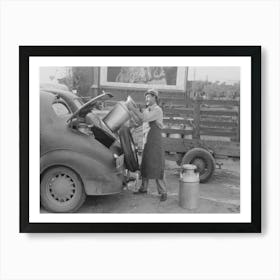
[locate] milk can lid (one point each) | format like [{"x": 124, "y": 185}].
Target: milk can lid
[{"x": 189, "y": 166}]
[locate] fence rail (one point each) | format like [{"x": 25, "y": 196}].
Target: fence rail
[
  {"x": 212, "y": 123},
  {"x": 220, "y": 121}
]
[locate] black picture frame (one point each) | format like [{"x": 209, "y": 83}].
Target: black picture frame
[{"x": 25, "y": 52}]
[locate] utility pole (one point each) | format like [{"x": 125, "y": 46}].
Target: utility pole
[{"x": 187, "y": 95}]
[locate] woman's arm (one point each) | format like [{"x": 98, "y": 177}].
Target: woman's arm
[
  {"x": 153, "y": 115},
  {"x": 147, "y": 116},
  {"x": 136, "y": 112},
  {"x": 135, "y": 121}
]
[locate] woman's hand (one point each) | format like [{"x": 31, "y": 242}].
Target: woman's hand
[
  {"x": 135, "y": 120},
  {"x": 130, "y": 106},
  {"x": 134, "y": 111},
  {"x": 130, "y": 103}
]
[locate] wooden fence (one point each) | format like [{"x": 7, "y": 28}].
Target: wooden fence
[
  {"x": 220, "y": 118},
  {"x": 217, "y": 118},
  {"x": 214, "y": 124}
]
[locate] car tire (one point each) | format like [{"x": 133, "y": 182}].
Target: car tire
[
  {"x": 61, "y": 190},
  {"x": 129, "y": 149},
  {"x": 203, "y": 160}
]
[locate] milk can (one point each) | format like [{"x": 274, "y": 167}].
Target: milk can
[
  {"x": 163, "y": 134},
  {"x": 189, "y": 187},
  {"x": 118, "y": 115},
  {"x": 188, "y": 128},
  {"x": 175, "y": 135}
]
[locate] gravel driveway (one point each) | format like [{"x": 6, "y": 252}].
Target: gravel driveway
[{"x": 220, "y": 195}]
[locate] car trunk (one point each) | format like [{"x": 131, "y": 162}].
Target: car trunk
[{"x": 86, "y": 121}]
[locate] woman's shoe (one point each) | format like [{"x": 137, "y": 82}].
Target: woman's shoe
[
  {"x": 140, "y": 191},
  {"x": 163, "y": 197}
]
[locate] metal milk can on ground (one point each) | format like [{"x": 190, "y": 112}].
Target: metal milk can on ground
[{"x": 189, "y": 187}]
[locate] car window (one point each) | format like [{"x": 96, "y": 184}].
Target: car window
[{"x": 61, "y": 109}]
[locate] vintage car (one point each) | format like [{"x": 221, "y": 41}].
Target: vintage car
[{"x": 79, "y": 155}]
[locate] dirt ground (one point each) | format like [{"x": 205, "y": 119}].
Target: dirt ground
[{"x": 220, "y": 195}]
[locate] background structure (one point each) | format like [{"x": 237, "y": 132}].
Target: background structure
[{"x": 104, "y": 256}]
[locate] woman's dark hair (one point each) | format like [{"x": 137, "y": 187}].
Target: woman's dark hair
[{"x": 157, "y": 99}]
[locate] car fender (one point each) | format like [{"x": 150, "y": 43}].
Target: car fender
[{"x": 96, "y": 177}]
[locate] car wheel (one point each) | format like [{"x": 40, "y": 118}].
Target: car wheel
[
  {"x": 203, "y": 160},
  {"x": 129, "y": 149},
  {"x": 61, "y": 190}
]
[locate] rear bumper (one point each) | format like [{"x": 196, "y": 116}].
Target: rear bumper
[{"x": 103, "y": 185}]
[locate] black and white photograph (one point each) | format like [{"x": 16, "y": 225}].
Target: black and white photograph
[
  {"x": 142, "y": 138},
  {"x": 140, "y": 148},
  {"x": 139, "y": 140}
]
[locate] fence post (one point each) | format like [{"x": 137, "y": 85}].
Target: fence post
[
  {"x": 196, "y": 114},
  {"x": 238, "y": 123},
  {"x": 236, "y": 137}
]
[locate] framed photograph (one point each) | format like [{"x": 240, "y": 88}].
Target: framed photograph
[
  {"x": 161, "y": 78},
  {"x": 136, "y": 139}
]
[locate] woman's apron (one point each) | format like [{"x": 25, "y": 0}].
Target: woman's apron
[{"x": 152, "y": 165}]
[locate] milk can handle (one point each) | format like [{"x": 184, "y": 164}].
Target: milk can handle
[
  {"x": 182, "y": 170},
  {"x": 131, "y": 101}
]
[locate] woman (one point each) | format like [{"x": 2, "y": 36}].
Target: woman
[{"x": 152, "y": 165}]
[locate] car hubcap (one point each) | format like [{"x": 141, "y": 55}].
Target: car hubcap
[{"x": 61, "y": 187}]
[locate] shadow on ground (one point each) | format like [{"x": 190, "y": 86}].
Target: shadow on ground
[{"x": 220, "y": 195}]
